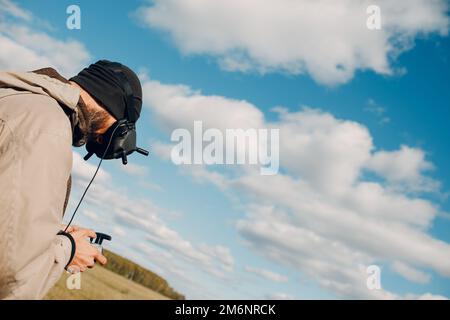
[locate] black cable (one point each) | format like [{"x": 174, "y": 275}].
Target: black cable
[{"x": 90, "y": 182}]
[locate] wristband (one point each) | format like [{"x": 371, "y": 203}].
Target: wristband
[{"x": 72, "y": 241}]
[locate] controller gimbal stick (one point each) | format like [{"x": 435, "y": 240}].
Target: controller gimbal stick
[
  {"x": 99, "y": 240},
  {"x": 123, "y": 156},
  {"x": 138, "y": 150}
]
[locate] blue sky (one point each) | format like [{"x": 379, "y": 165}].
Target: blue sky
[{"x": 204, "y": 237}]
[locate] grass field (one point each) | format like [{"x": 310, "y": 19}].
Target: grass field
[{"x": 100, "y": 284}]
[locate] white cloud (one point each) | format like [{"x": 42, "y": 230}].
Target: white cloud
[
  {"x": 117, "y": 231},
  {"x": 25, "y": 47},
  {"x": 332, "y": 241},
  {"x": 203, "y": 256},
  {"x": 320, "y": 217},
  {"x": 82, "y": 171},
  {"x": 332, "y": 153},
  {"x": 144, "y": 216},
  {"x": 222, "y": 253},
  {"x": 411, "y": 274},
  {"x": 91, "y": 215},
  {"x": 150, "y": 186},
  {"x": 425, "y": 296},
  {"x": 337, "y": 267},
  {"x": 267, "y": 274},
  {"x": 177, "y": 106},
  {"x": 404, "y": 168},
  {"x": 327, "y": 39},
  {"x": 202, "y": 175},
  {"x": 279, "y": 296},
  {"x": 162, "y": 261},
  {"x": 9, "y": 8},
  {"x": 430, "y": 296},
  {"x": 162, "y": 150},
  {"x": 378, "y": 111},
  {"x": 133, "y": 169},
  {"x": 166, "y": 264}
]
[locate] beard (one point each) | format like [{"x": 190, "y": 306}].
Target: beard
[
  {"x": 88, "y": 124},
  {"x": 97, "y": 121}
]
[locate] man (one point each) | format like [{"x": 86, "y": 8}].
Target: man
[{"x": 42, "y": 115}]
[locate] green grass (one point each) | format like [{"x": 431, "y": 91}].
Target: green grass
[
  {"x": 101, "y": 284},
  {"x": 138, "y": 274},
  {"x": 120, "y": 279}
]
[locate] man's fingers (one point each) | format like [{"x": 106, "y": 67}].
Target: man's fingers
[
  {"x": 89, "y": 233},
  {"x": 70, "y": 229},
  {"x": 90, "y": 262},
  {"x": 73, "y": 228},
  {"x": 67, "y": 229},
  {"x": 101, "y": 258},
  {"x": 73, "y": 269}
]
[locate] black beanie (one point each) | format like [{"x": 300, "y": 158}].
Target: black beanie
[{"x": 101, "y": 82}]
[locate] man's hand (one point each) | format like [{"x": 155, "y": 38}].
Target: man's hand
[
  {"x": 85, "y": 253},
  {"x": 71, "y": 228}
]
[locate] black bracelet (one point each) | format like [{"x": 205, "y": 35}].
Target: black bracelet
[{"x": 72, "y": 241}]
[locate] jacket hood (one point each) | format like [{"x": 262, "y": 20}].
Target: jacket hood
[{"x": 64, "y": 93}]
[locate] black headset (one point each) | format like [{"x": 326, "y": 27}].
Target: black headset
[
  {"x": 122, "y": 134},
  {"x": 119, "y": 140}
]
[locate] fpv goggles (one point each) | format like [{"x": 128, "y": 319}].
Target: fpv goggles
[{"x": 120, "y": 139}]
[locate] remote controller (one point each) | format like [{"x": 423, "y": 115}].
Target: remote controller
[{"x": 97, "y": 242}]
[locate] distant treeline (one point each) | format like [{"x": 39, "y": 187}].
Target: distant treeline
[{"x": 138, "y": 274}]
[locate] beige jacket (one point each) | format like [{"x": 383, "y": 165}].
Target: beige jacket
[{"x": 35, "y": 164}]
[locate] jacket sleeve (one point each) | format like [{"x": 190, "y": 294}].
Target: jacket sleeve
[
  {"x": 36, "y": 161},
  {"x": 41, "y": 274}
]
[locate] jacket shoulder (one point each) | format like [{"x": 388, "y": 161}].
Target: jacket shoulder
[{"x": 35, "y": 113}]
